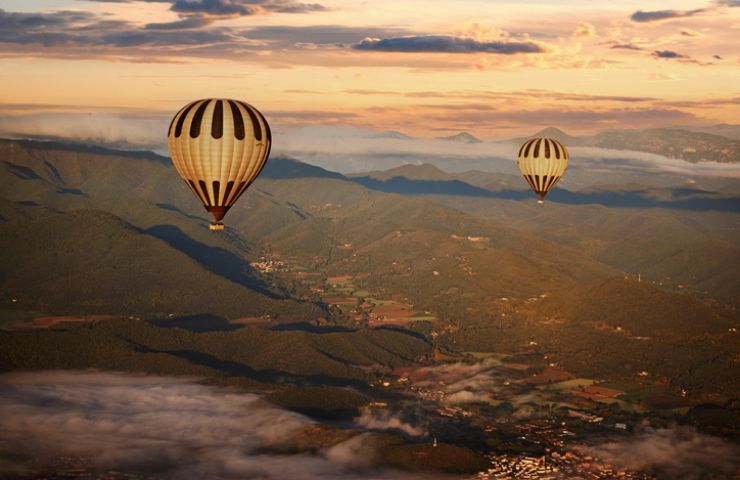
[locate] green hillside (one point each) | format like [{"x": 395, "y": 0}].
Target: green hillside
[
  {"x": 89, "y": 231},
  {"x": 94, "y": 262},
  {"x": 639, "y": 309},
  {"x": 258, "y": 356}
]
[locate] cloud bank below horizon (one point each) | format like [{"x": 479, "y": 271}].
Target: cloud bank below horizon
[{"x": 163, "y": 427}]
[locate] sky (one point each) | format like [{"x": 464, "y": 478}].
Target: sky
[{"x": 497, "y": 69}]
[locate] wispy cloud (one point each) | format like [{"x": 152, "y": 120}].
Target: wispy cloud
[
  {"x": 386, "y": 421},
  {"x": 584, "y": 30}
]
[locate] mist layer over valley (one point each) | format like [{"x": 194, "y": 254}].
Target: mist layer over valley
[{"x": 160, "y": 427}]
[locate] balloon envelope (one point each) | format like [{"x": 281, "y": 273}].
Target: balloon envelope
[
  {"x": 542, "y": 161},
  {"x": 219, "y": 146}
]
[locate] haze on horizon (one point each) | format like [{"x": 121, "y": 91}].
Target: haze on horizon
[{"x": 496, "y": 69}]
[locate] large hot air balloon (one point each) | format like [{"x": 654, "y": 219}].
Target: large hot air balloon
[
  {"x": 219, "y": 146},
  {"x": 542, "y": 161}
]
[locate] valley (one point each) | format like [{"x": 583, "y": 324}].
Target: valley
[{"x": 420, "y": 310}]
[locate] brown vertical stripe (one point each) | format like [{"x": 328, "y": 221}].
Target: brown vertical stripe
[
  {"x": 216, "y": 188},
  {"x": 557, "y": 150},
  {"x": 197, "y": 119},
  {"x": 229, "y": 186},
  {"x": 267, "y": 126},
  {"x": 196, "y": 191},
  {"x": 217, "y": 123},
  {"x": 521, "y": 148},
  {"x": 528, "y": 146},
  {"x": 547, "y": 148},
  {"x": 191, "y": 187},
  {"x": 181, "y": 120},
  {"x": 172, "y": 122},
  {"x": 255, "y": 123},
  {"x": 204, "y": 189},
  {"x": 238, "y": 121},
  {"x": 565, "y": 152},
  {"x": 242, "y": 186},
  {"x": 537, "y": 181},
  {"x": 537, "y": 148},
  {"x": 269, "y": 138},
  {"x": 268, "y": 133}
]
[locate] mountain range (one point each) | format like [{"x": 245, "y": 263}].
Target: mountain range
[
  {"x": 690, "y": 145},
  {"x": 93, "y": 231}
]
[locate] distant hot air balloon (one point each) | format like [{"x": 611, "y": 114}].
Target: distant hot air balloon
[
  {"x": 219, "y": 146},
  {"x": 542, "y": 161}
]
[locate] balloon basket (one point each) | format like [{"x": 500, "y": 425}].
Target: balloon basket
[
  {"x": 540, "y": 202},
  {"x": 216, "y": 226}
]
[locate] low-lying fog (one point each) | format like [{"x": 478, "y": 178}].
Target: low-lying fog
[
  {"x": 162, "y": 427},
  {"x": 177, "y": 428}
]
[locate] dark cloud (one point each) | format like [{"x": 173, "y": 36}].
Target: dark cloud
[
  {"x": 186, "y": 23},
  {"x": 294, "y": 7},
  {"x": 285, "y": 36},
  {"x": 445, "y": 44},
  {"x": 668, "y": 54},
  {"x": 657, "y": 15},
  {"x": 231, "y": 8},
  {"x": 67, "y": 29},
  {"x": 88, "y": 35},
  {"x": 626, "y": 46},
  {"x": 215, "y": 7}
]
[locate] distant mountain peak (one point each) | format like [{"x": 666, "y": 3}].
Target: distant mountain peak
[
  {"x": 422, "y": 171},
  {"x": 282, "y": 167},
  {"x": 552, "y": 132},
  {"x": 462, "y": 137},
  {"x": 392, "y": 134}
]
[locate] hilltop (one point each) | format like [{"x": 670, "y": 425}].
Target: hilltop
[
  {"x": 462, "y": 137},
  {"x": 691, "y": 144}
]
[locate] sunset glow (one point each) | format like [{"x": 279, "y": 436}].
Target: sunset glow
[{"x": 493, "y": 68}]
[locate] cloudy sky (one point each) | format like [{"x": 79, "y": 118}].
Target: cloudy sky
[{"x": 496, "y": 68}]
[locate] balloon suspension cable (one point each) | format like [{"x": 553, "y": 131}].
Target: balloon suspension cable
[
  {"x": 216, "y": 226},
  {"x": 541, "y": 200}
]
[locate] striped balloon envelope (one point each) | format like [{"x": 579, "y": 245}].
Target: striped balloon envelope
[
  {"x": 219, "y": 146},
  {"x": 542, "y": 161}
]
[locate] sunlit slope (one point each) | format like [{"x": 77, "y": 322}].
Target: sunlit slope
[
  {"x": 619, "y": 329},
  {"x": 641, "y": 233},
  {"x": 638, "y": 308},
  {"x": 441, "y": 258}
]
